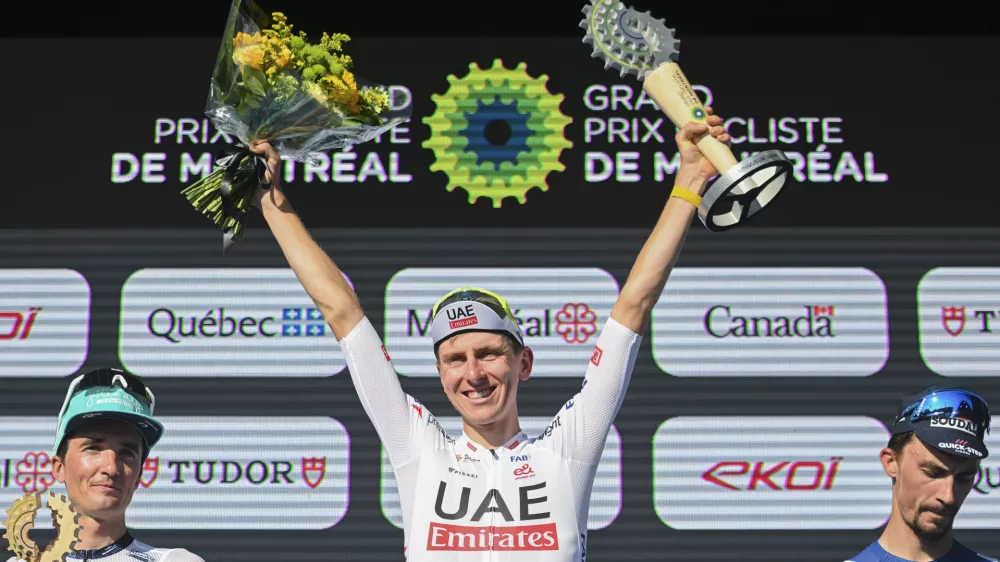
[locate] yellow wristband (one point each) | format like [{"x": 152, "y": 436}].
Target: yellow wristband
[{"x": 687, "y": 195}]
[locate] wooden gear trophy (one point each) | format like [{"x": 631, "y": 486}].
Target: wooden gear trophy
[{"x": 636, "y": 43}]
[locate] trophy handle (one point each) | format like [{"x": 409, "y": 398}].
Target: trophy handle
[{"x": 672, "y": 92}]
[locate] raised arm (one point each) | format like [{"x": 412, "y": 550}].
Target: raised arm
[
  {"x": 403, "y": 425},
  {"x": 580, "y": 429},
  {"x": 656, "y": 259},
  {"x": 315, "y": 270}
]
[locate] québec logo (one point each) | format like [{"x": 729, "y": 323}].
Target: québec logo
[{"x": 167, "y": 324}]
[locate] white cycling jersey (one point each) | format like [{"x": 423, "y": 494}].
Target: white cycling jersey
[
  {"x": 526, "y": 500},
  {"x": 127, "y": 549}
]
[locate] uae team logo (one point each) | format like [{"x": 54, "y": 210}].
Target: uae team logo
[{"x": 497, "y": 133}]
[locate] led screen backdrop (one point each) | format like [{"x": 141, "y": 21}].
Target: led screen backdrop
[{"x": 773, "y": 360}]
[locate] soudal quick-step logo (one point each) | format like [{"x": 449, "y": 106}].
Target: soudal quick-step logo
[
  {"x": 560, "y": 311},
  {"x": 606, "y": 496},
  {"x": 955, "y": 423},
  {"x": 224, "y": 322},
  {"x": 781, "y": 472},
  {"x": 983, "y": 503},
  {"x": 44, "y": 322},
  {"x": 756, "y": 322},
  {"x": 245, "y": 467},
  {"x": 959, "y": 319}
]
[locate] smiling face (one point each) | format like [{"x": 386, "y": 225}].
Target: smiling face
[
  {"x": 479, "y": 372},
  {"x": 930, "y": 487},
  {"x": 101, "y": 468}
]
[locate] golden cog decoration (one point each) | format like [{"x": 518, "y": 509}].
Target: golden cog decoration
[
  {"x": 524, "y": 145},
  {"x": 21, "y": 519}
]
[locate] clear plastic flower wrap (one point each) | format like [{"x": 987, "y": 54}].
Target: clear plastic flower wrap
[{"x": 270, "y": 83}]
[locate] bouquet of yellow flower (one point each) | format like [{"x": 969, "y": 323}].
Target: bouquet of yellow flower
[{"x": 272, "y": 84}]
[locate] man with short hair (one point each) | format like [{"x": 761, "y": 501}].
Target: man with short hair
[
  {"x": 494, "y": 492},
  {"x": 105, "y": 431},
  {"x": 933, "y": 458}
]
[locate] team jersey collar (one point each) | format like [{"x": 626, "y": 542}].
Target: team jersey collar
[
  {"x": 471, "y": 448},
  {"x": 98, "y": 553},
  {"x": 954, "y": 555}
]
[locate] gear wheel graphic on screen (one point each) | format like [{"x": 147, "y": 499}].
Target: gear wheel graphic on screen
[{"x": 497, "y": 133}]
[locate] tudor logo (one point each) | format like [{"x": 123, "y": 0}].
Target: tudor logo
[{"x": 955, "y": 423}]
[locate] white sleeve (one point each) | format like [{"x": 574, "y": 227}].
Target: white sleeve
[
  {"x": 181, "y": 555},
  {"x": 404, "y": 425},
  {"x": 580, "y": 429}
]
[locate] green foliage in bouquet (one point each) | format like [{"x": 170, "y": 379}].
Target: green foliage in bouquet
[
  {"x": 275, "y": 85},
  {"x": 264, "y": 60}
]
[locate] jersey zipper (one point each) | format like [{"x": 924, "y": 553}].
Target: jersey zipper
[{"x": 493, "y": 514}]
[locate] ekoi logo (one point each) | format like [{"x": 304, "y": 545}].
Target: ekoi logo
[
  {"x": 17, "y": 324},
  {"x": 44, "y": 322},
  {"x": 787, "y": 470}
]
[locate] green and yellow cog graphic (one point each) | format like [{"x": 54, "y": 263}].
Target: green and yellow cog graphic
[{"x": 497, "y": 132}]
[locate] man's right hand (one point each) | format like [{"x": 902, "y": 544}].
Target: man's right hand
[
  {"x": 273, "y": 196},
  {"x": 315, "y": 270}
]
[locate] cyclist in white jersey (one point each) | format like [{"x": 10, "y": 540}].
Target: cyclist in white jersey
[
  {"x": 493, "y": 493},
  {"x": 105, "y": 431}
]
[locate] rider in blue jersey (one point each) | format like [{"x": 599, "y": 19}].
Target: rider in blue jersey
[{"x": 933, "y": 458}]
